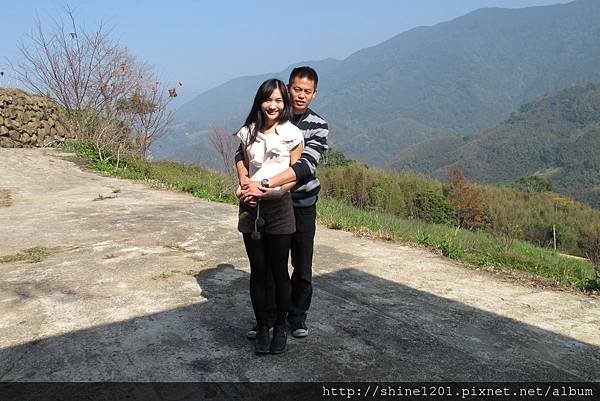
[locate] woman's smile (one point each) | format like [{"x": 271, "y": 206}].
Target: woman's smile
[{"x": 273, "y": 106}]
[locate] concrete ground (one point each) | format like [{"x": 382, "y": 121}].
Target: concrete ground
[{"x": 145, "y": 284}]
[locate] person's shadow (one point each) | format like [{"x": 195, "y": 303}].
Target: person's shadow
[
  {"x": 365, "y": 328},
  {"x": 361, "y": 328}
]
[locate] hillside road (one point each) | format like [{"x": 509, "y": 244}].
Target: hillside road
[{"x": 145, "y": 284}]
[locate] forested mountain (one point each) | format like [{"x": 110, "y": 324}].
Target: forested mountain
[
  {"x": 557, "y": 137},
  {"x": 459, "y": 77}
]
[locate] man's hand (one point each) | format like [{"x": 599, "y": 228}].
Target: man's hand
[{"x": 254, "y": 189}]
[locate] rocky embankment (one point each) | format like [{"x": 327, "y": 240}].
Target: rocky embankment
[{"x": 29, "y": 121}]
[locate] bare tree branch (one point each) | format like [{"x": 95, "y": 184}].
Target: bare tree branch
[
  {"x": 226, "y": 145},
  {"x": 112, "y": 100}
]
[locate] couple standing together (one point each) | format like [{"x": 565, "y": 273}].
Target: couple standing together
[{"x": 282, "y": 141}]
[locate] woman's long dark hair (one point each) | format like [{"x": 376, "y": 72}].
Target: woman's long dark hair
[{"x": 256, "y": 116}]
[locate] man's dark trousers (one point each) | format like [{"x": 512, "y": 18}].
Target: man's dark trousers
[{"x": 302, "y": 254}]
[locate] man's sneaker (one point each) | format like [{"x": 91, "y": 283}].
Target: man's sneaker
[
  {"x": 263, "y": 340},
  {"x": 279, "y": 339},
  {"x": 299, "y": 330},
  {"x": 251, "y": 334}
]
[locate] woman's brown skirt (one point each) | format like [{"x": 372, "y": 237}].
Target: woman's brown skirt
[{"x": 276, "y": 216}]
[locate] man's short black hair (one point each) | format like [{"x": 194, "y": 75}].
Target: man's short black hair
[{"x": 304, "y": 72}]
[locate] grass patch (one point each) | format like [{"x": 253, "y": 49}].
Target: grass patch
[
  {"x": 198, "y": 181},
  {"x": 31, "y": 255},
  {"x": 476, "y": 248},
  {"x": 174, "y": 247},
  {"x": 164, "y": 275},
  {"x": 102, "y": 197},
  {"x": 171, "y": 273},
  {"x": 5, "y": 198}
]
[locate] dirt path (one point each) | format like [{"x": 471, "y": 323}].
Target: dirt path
[{"x": 145, "y": 284}]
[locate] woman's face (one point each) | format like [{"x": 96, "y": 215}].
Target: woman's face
[{"x": 273, "y": 106}]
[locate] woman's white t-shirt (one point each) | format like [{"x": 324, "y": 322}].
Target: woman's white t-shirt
[{"x": 269, "y": 154}]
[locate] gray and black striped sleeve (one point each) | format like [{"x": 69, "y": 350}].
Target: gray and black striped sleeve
[{"x": 315, "y": 131}]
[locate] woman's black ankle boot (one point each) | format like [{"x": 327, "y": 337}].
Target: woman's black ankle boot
[
  {"x": 279, "y": 339},
  {"x": 261, "y": 345}
]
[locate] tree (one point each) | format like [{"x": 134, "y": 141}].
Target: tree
[
  {"x": 92, "y": 77},
  {"x": 535, "y": 183},
  {"x": 590, "y": 243},
  {"x": 433, "y": 207},
  {"x": 148, "y": 115},
  {"x": 335, "y": 158},
  {"x": 466, "y": 201},
  {"x": 226, "y": 145}
]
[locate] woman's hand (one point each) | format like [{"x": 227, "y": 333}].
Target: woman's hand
[
  {"x": 269, "y": 193},
  {"x": 253, "y": 186},
  {"x": 244, "y": 181},
  {"x": 248, "y": 199},
  {"x": 254, "y": 189}
]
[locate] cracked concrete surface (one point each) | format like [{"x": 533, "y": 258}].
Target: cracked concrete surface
[{"x": 152, "y": 285}]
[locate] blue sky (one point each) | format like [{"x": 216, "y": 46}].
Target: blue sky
[{"x": 205, "y": 43}]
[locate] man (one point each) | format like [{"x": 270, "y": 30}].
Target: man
[{"x": 303, "y": 88}]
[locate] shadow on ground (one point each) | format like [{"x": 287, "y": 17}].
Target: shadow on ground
[{"x": 362, "y": 328}]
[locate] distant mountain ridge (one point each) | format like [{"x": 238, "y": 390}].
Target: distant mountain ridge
[
  {"x": 457, "y": 77},
  {"x": 557, "y": 136}
]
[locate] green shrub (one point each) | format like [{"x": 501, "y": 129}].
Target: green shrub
[
  {"x": 373, "y": 189},
  {"x": 538, "y": 233},
  {"x": 534, "y": 183},
  {"x": 84, "y": 149},
  {"x": 508, "y": 212},
  {"x": 590, "y": 243},
  {"x": 335, "y": 158},
  {"x": 433, "y": 207}
]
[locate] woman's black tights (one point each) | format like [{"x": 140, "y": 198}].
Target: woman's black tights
[{"x": 269, "y": 256}]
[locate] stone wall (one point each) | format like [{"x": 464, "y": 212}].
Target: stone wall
[{"x": 28, "y": 121}]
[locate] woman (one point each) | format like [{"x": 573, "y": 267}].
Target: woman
[{"x": 271, "y": 143}]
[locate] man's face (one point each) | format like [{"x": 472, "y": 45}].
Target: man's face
[{"x": 302, "y": 91}]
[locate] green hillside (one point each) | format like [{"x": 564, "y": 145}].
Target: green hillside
[
  {"x": 557, "y": 137},
  {"x": 430, "y": 155},
  {"x": 459, "y": 77}
]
